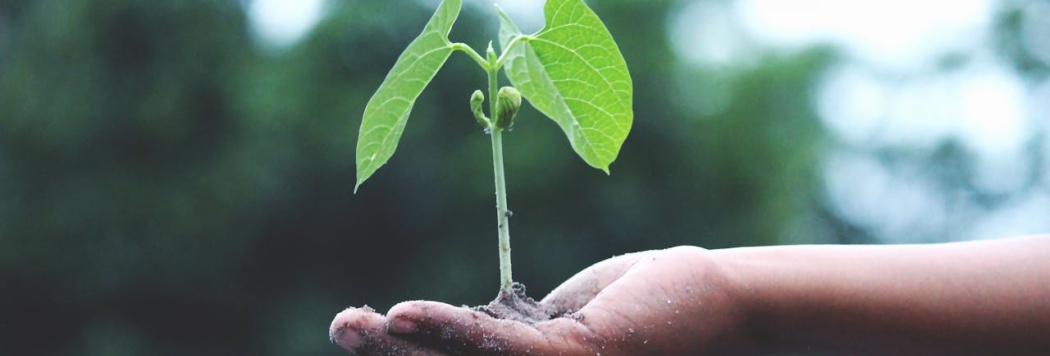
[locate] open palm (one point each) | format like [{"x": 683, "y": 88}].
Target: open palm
[{"x": 673, "y": 301}]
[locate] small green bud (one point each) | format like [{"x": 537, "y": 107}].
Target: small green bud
[
  {"x": 476, "y": 101},
  {"x": 508, "y": 101},
  {"x": 490, "y": 54}
]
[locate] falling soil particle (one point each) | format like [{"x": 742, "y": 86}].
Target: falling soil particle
[{"x": 516, "y": 306}]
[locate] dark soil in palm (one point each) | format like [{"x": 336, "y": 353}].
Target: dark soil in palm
[{"x": 515, "y": 306}]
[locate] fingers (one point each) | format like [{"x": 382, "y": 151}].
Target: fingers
[
  {"x": 464, "y": 331},
  {"x": 362, "y": 331},
  {"x": 579, "y": 290}
]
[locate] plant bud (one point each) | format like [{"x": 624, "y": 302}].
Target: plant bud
[
  {"x": 476, "y": 101},
  {"x": 508, "y": 101},
  {"x": 490, "y": 53}
]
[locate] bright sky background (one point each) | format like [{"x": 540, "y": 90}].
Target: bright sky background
[
  {"x": 888, "y": 92},
  {"x": 281, "y": 23},
  {"x": 885, "y": 91}
]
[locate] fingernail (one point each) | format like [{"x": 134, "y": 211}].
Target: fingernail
[
  {"x": 341, "y": 331},
  {"x": 401, "y": 326},
  {"x": 348, "y": 339}
]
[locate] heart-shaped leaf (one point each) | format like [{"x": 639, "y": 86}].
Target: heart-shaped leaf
[
  {"x": 387, "y": 111},
  {"x": 573, "y": 72}
]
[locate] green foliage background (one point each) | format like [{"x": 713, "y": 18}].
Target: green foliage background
[{"x": 168, "y": 188}]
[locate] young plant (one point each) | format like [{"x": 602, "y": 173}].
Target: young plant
[{"x": 571, "y": 71}]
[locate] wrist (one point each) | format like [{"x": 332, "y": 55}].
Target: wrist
[
  {"x": 756, "y": 297},
  {"x": 726, "y": 302}
]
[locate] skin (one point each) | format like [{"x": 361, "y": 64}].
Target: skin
[{"x": 972, "y": 298}]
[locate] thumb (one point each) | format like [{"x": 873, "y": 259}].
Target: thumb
[
  {"x": 580, "y": 289},
  {"x": 464, "y": 331}
]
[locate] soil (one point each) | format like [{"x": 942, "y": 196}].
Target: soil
[{"x": 516, "y": 306}]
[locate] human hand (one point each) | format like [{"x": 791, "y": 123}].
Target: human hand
[{"x": 667, "y": 302}]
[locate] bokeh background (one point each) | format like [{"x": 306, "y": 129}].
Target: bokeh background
[{"x": 176, "y": 176}]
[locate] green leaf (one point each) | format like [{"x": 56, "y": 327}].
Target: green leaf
[
  {"x": 573, "y": 72},
  {"x": 388, "y": 109}
]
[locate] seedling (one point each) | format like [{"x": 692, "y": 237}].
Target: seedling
[{"x": 571, "y": 71}]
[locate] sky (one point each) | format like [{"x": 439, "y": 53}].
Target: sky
[
  {"x": 282, "y": 23},
  {"x": 889, "y": 91}
]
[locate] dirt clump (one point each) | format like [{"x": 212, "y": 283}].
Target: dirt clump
[{"x": 516, "y": 306}]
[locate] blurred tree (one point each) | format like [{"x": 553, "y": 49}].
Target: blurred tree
[{"x": 125, "y": 183}]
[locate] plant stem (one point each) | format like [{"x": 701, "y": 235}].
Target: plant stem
[
  {"x": 502, "y": 213},
  {"x": 462, "y": 47}
]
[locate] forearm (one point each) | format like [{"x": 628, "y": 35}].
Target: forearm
[{"x": 990, "y": 297}]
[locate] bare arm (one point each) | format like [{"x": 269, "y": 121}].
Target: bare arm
[
  {"x": 974, "y": 298},
  {"x": 983, "y": 298}
]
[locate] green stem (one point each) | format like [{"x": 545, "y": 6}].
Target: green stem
[
  {"x": 513, "y": 42},
  {"x": 502, "y": 213},
  {"x": 462, "y": 47}
]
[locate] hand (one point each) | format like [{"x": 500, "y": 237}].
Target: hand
[{"x": 664, "y": 302}]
